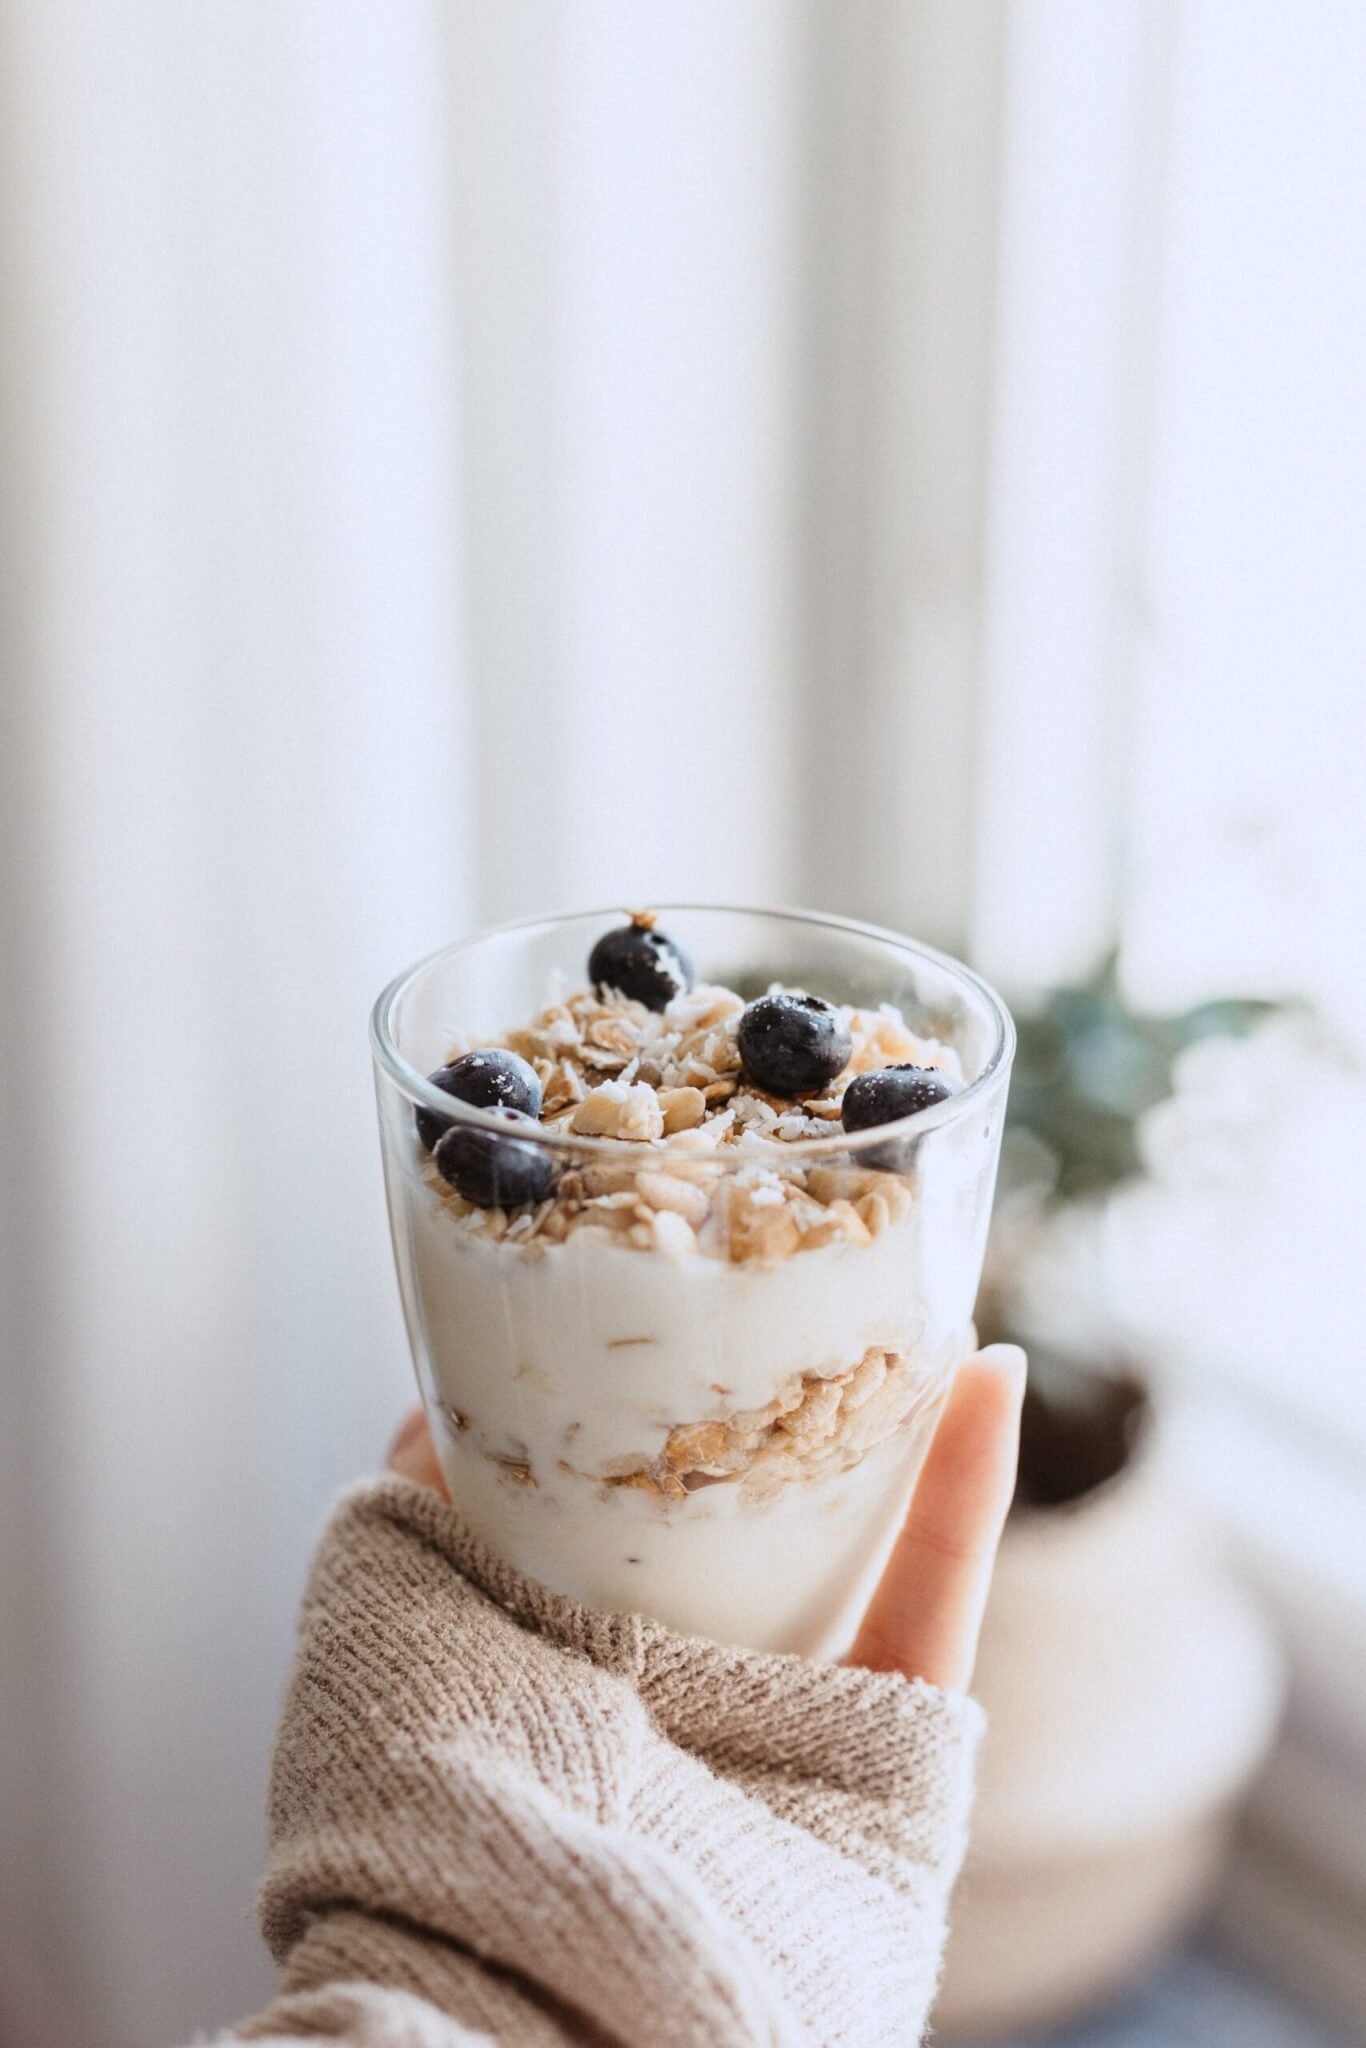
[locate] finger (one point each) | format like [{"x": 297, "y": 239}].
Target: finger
[
  {"x": 926, "y": 1615},
  {"x": 413, "y": 1456}
]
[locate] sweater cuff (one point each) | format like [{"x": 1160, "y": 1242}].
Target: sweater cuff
[{"x": 871, "y": 1734}]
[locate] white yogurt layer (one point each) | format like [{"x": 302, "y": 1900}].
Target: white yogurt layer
[{"x": 549, "y": 1370}]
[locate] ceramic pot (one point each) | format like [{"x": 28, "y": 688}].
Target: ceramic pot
[{"x": 1132, "y": 1689}]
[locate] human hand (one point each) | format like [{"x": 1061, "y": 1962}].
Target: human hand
[{"x": 926, "y": 1615}]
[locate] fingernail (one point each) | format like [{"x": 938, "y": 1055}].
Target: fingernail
[{"x": 1007, "y": 1359}]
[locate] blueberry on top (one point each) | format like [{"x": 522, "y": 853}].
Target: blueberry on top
[
  {"x": 491, "y": 1078},
  {"x": 793, "y": 1045},
  {"x": 492, "y": 1171},
  {"x": 642, "y": 962},
  {"x": 885, "y": 1096},
  {"x": 890, "y": 1093}
]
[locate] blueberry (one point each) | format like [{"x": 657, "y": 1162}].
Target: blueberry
[
  {"x": 491, "y": 1078},
  {"x": 641, "y": 962},
  {"x": 793, "y": 1045},
  {"x": 495, "y": 1172},
  {"x": 885, "y": 1096}
]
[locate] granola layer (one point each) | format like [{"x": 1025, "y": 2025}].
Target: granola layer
[
  {"x": 702, "y": 1167},
  {"x": 813, "y": 1427}
]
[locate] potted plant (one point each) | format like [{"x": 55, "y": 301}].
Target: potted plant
[{"x": 1130, "y": 1682}]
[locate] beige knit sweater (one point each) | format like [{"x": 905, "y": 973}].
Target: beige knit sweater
[{"x": 497, "y": 1816}]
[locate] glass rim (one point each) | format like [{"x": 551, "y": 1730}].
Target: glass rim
[{"x": 421, "y": 1093}]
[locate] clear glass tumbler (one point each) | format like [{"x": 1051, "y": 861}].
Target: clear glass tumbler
[{"x": 696, "y": 1378}]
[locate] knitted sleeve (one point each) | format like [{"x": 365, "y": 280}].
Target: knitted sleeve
[{"x": 497, "y": 1816}]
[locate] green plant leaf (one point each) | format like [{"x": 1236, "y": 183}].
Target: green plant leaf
[{"x": 1088, "y": 1068}]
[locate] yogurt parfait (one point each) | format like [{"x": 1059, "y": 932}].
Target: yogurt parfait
[{"x": 689, "y": 1212}]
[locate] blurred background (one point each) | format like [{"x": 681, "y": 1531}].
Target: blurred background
[{"x": 908, "y": 458}]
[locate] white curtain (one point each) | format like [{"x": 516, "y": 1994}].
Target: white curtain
[
  {"x": 464, "y": 459},
  {"x": 235, "y": 645}
]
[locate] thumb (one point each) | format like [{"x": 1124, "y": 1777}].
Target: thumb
[{"x": 926, "y": 1615}]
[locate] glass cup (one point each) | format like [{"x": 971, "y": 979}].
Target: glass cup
[{"x": 695, "y": 1379}]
